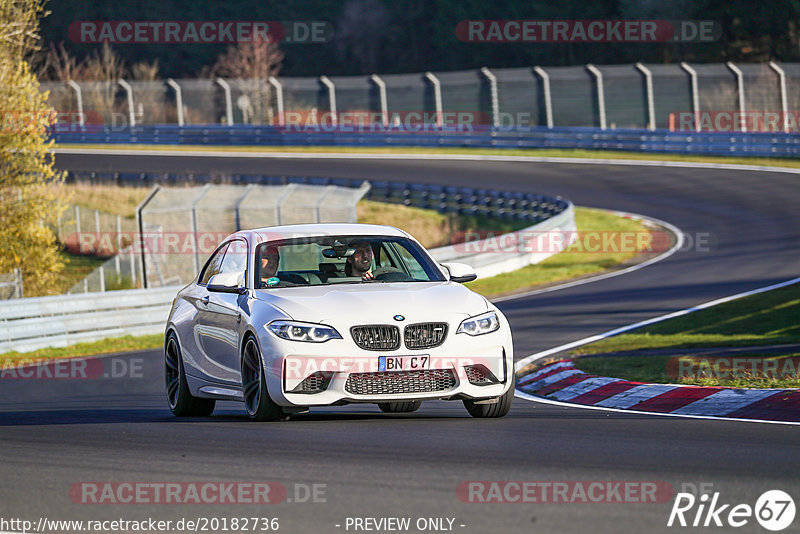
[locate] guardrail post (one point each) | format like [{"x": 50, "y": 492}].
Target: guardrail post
[
  {"x": 601, "y": 98},
  {"x": 79, "y": 100},
  {"x": 437, "y": 97},
  {"x": 129, "y": 91},
  {"x": 695, "y": 100},
  {"x": 331, "y": 98},
  {"x": 228, "y": 102},
  {"x": 278, "y": 99},
  {"x": 178, "y": 99},
  {"x": 548, "y": 103},
  {"x": 493, "y": 90},
  {"x": 384, "y": 102},
  {"x": 782, "y": 84},
  {"x": 648, "y": 80},
  {"x": 740, "y": 90}
]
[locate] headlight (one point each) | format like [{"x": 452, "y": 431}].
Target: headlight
[
  {"x": 312, "y": 333},
  {"x": 480, "y": 324}
]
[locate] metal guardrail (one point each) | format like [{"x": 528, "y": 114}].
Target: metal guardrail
[
  {"x": 58, "y": 321},
  {"x": 759, "y": 144}
]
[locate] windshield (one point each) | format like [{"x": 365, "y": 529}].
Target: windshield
[{"x": 327, "y": 260}]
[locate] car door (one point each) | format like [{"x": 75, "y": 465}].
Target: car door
[
  {"x": 222, "y": 320},
  {"x": 202, "y": 323}
]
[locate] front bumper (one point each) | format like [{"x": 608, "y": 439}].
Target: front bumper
[{"x": 338, "y": 379}]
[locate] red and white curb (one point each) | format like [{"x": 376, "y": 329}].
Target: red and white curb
[{"x": 562, "y": 381}]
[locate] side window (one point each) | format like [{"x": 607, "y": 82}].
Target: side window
[
  {"x": 383, "y": 260},
  {"x": 214, "y": 265},
  {"x": 235, "y": 257},
  {"x": 412, "y": 266}
]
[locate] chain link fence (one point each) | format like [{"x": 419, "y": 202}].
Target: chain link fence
[
  {"x": 180, "y": 227},
  {"x": 607, "y": 96}
]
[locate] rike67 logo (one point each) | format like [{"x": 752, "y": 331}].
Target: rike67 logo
[{"x": 774, "y": 510}]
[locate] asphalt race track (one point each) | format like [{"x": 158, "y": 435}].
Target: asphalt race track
[{"x": 56, "y": 433}]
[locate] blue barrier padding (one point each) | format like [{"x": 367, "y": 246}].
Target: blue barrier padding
[{"x": 637, "y": 140}]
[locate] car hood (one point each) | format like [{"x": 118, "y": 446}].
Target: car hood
[{"x": 376, "y": 303}]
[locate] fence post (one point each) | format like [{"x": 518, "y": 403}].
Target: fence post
[
  {"x": 204, "y": 192},
  {"x": 97, "y": 231},
  {"x": 102, "y": 273},
  {"x": 132, "y": 260},
  {"x": 331, "y": 98},
  {"x": 118, "y": 246},
  {"x": 601, "y": 98},
  {"x": 740, "y": 90},
  {"x": 279, "y": 201},
  {"x": 228, "y": 102},
  {"x": 129, "y": 91},
  {"x": 79, "y": 100},
  {"x": 78, "y": 224},
  {"x": 238, "y": 202},
  {"x": 437, "y": 97},
  {"x": 782, "y": 84},
  {"x": 648, "y": 80},
  {"x": 384, "y": 102},
  {"x": 18, "y": 282},
  {"x": 178, "y": 99},
  {"x": 493, "y": 90},
  {"x": 695, "y": 100},
  {"x": 548, "y": 104},
  {"x": 278, "y": 99},
  {"x": 140, "y": 228}
]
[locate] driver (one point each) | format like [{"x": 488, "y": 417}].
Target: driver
[
  {"x": 360, "y": 263},
  {"x": 269, "y": 263}
]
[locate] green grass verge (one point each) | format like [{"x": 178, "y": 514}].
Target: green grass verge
[
  {"x": 569, "y": 264},
  {"x": 554, "y": 153},
  {"x": 104, "y": 346},
  {"x": 771, "y": 318}
]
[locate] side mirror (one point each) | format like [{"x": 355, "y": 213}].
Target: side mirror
[
  {"x": 460, "y": 272},
  {"x": 227, "y": 282}
]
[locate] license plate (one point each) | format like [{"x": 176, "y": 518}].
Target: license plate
[{"x": 404, "y": 363}]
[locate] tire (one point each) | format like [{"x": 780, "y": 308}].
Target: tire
[
  {"x": 180, "y": 400},
  {"x": 498, "y": 409},
  {"x": 257, "y": 402},
  {"x": 400, "y": 407}
]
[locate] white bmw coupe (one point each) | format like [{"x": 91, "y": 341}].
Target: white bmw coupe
[{"x": 286, "y": 318}]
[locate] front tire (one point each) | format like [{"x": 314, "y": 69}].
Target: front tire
[
  {"x": 180, "y": 400},
  {"x": 257, "y": 402},
  {"x": 400, "y": 407},
  {"x": 498, "y": 409}
]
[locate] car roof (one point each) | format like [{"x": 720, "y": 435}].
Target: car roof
[{"x": 290, "y": 231}]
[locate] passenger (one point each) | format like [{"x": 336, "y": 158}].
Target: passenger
[{"x": 360, "y": 263}]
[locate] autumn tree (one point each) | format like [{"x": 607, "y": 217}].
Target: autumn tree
[{"x": 28, "y": 205}]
